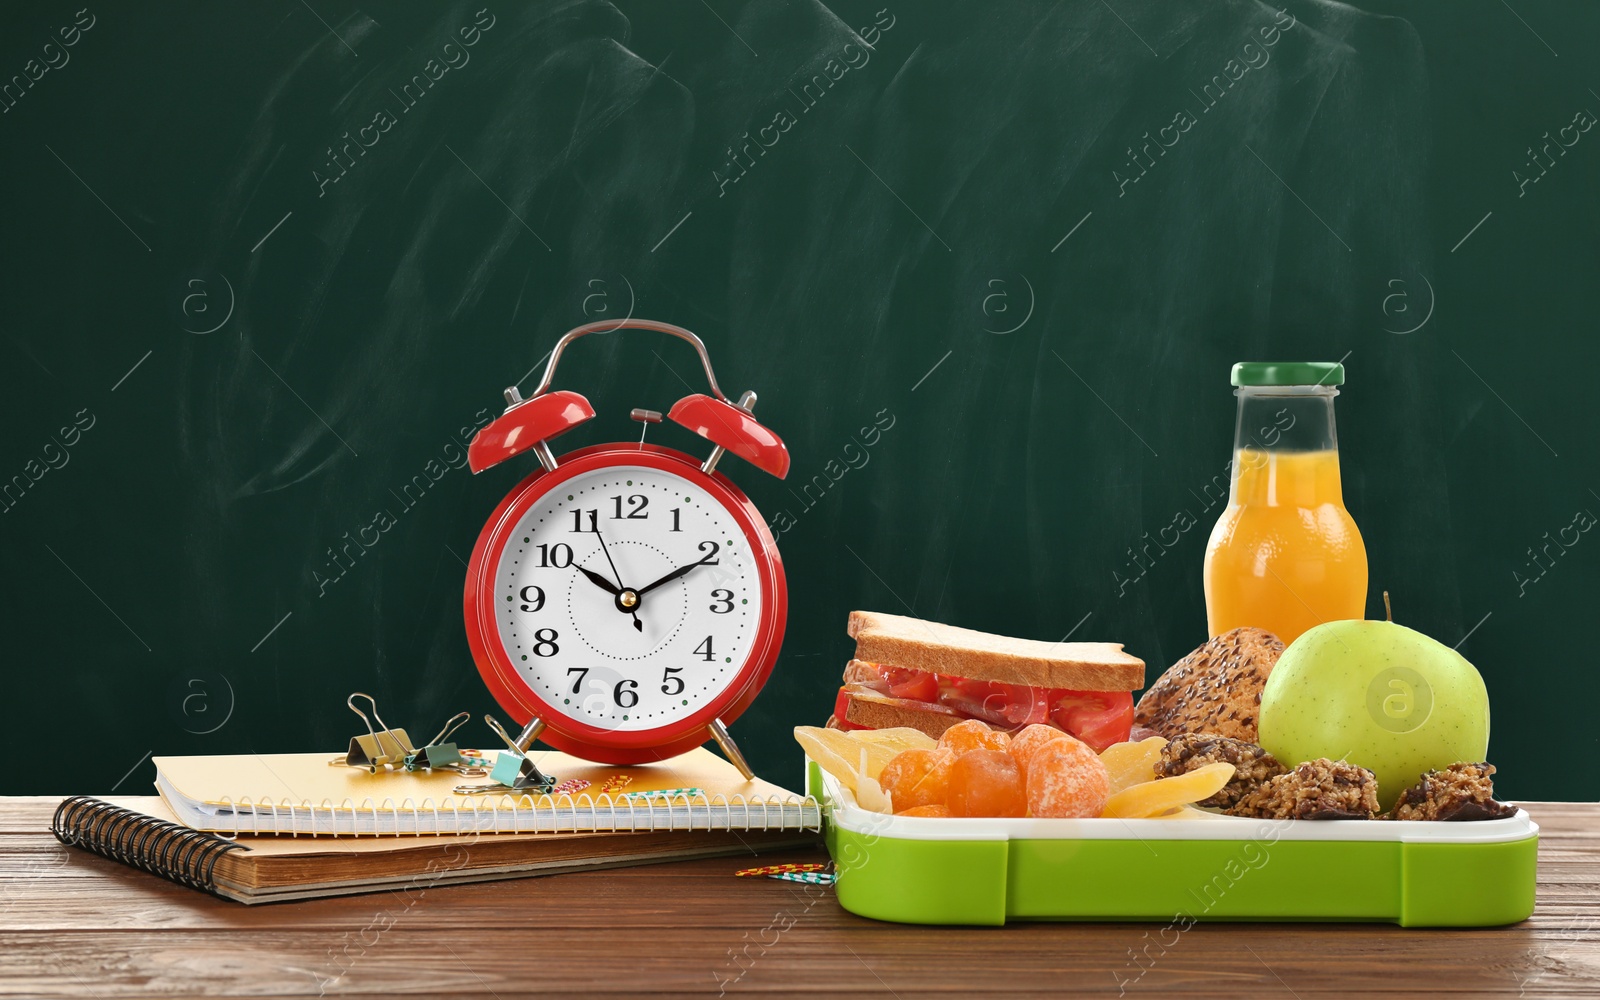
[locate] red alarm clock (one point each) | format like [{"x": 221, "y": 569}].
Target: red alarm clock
[{"x": 626, "y": 601}]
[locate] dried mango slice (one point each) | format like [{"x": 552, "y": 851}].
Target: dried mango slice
[
  {"x": 871, "y": 796},
  {"x": 847, "y": 758},
  {"x": 896, "y": 741},
  {"x": 1152, "y": 798},
  {"x": 840, "y": 756},
  {"x": 1132, "y": 764}
]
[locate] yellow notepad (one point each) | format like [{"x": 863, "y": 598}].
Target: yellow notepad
[{"x": 302, "y": 794}]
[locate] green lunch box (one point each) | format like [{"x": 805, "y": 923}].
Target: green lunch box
[{"x": 921, "y": 870}]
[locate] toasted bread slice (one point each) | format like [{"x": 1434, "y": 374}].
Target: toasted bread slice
[
  {"x": 961, "y": 652},
  {"x": 864, "y": 707}
]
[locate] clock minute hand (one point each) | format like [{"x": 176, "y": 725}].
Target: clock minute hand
[
  {"x": 670, "y": 577},
  {"x": 631, "y": 608}
]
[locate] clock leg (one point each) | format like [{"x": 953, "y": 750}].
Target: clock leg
[
  {"x": 719, "y": 732},
  {"x": 529, "y": 733}
]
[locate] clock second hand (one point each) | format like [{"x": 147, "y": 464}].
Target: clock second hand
[{"x": 594, "y": 521}]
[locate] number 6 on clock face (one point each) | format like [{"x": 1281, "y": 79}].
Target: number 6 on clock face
[{"x": 628, "y": 600}]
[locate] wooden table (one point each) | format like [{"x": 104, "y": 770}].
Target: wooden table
[{"x": 75, "y": 924}]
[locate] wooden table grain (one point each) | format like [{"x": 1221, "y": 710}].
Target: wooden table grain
[{"x": 75, "y": 924}]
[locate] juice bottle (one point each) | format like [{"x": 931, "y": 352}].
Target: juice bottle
[{"x": 1285, "y": 554}]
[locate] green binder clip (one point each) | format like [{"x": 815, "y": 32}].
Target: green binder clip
[
  {"x": 439, "y": 753},
  {"x": 379, "y": 748},
  {"x": 516, "y": 770}
]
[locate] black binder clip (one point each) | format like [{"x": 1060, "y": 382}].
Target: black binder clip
[{"x": 514, "y": 770}]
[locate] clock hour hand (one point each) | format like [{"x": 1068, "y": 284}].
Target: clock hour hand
[
  {"x": 680, "y": 571},
  {"x": 600, "y": 581},
  {"x": 626, "y": 600}
]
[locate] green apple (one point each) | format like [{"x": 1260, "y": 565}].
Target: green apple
[{"x": 1379, "y": 695}]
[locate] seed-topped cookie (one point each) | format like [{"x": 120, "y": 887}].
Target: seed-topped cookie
[{"x": 1215, "y": 689}]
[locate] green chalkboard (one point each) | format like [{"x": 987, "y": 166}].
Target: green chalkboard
[{"x": 269, "y": 265}]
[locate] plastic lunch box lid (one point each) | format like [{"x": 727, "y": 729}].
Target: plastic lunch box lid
[{"x": 844, "y": 813}]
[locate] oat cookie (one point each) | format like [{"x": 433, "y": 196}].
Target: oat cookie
[
  {"x": 1252, "y": 766},
  {"x": 1459, "y": 792},
  {"x": 1317, "y": 789}
]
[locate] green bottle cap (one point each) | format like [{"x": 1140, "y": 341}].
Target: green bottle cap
[{"x": 1288, "y": 373}]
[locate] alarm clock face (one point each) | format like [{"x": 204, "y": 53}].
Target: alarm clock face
[{"x": 627, "y": 597}]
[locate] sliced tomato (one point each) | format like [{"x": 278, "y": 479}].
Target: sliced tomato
[
  {"x": 840, "y": 705},
  {"x": 1098, "y": 718},
  {"x": 915, "y": 685},
  {"x": 1028, "y": 705}
]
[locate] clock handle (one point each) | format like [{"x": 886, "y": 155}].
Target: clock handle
[
  {"x": 610, "y": 326},
  {"x": 719, "y": 732}
]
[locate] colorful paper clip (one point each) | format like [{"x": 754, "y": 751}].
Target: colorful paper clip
[
  {"x": 780, "y": 869},
  {"x": 616, "y": 783},
  {"x": 665, "y": 793},
  {"x": 809, "y": 878}
]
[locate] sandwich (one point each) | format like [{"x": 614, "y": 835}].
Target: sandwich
[{"x": 929, "y": 676}]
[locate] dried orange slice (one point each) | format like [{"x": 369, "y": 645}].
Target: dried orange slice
[{"x": 904, "y": 779}]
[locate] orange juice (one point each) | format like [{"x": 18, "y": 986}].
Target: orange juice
[{"x": 1285, "y": 555}]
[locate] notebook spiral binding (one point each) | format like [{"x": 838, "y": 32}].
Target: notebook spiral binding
[
  {"x": 154, "y": 845},
  {"x": 523, "y": 814}
]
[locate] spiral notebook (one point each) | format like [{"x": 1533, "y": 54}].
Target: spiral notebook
[
  {"x": 138, "y": 831},
  {"x": 302, "y": 794}
]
